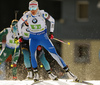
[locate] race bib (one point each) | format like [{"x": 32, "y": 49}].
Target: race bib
[
  {"x": 36, "y": 27},
  {"x": 12, "y": 42}
]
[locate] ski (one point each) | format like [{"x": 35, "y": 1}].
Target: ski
[
  {"x": 80, "y": 81},
  {"x": 35, "y": 82}
]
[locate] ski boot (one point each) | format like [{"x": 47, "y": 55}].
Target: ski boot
[
  {"x": 14, "y": 71},
  {"x": 29, "y": 75},
  {"x": 14, "y": 78},
  {"x": 36, "y": 75},
  {"x": 52, "y": 76},
  {"x": 70, "y": 74}
]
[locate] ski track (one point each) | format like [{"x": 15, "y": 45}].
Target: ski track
[{"x": 45, "y": 82}]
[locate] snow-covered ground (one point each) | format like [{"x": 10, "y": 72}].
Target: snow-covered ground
[{"x": 45, "y": 82}]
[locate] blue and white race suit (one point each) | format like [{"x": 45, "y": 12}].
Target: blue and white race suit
[{"x": 38, "y": 35}]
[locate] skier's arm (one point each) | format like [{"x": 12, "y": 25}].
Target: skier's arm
[
  {"x": 2, "y": 33},
  {"x": 51, "y": 20},
  {"x": 20, "y": 22}
]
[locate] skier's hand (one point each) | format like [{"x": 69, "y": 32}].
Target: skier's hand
[
  {"x": 20, "y": 39},
  {"x": 51, "y": 35},
  {"x": 16, "y": 40}
]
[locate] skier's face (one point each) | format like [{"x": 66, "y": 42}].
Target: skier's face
[
  {"x": 13, "y": 25},
  {"x": 34, "y": 12}
]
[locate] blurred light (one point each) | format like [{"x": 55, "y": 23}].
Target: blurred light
[{"x": 98, "y": 4}]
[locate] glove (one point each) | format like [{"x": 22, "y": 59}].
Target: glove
[
  {"x": 20, "y": 39},
  {"x": 16, "y": 40},
  {"x": 51, "y": 35}
]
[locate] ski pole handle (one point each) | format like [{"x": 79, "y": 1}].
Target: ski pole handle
[{"x": 61, "y": 41}]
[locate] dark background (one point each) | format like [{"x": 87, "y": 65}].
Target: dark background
[
  {"x": 8, "y": 8},
  {"x": 59, "y": 9}
]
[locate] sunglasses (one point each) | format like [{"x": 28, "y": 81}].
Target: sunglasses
[{"x": 33, "y": 8}]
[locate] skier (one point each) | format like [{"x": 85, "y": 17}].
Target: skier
[
  {"x": 25, "y": 50},
  {"x": 11, "y": 48},
  {"x": 38, "y": 35}
]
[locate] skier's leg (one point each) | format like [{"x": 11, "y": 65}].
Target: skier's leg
[
  {"x": 27, "y": 63},
  {"x": 45, "y": 63},
  {"x": 49, "y": 46},
  {"x": 42, "y": 58},
  {"x": 14, "y": 62},
  {"x": 26, "y": 58},
  {"x": 33, "y": 47},
  {"x": 5, "y": 52},
  {"x": 51, "y": 49}
]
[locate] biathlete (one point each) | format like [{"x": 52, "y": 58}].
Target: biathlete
[
  {"x": 36, "y": 20},
  {"x": 26, "y": 52},
  {"x": 11, "y": 48}
]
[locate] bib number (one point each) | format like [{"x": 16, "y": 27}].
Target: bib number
[{"x": 36, "y": 27}]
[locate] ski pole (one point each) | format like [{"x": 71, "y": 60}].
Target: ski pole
[{"x": 61, "y": 41}]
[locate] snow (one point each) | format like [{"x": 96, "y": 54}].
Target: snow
[{"x": 45, "y": 82}]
